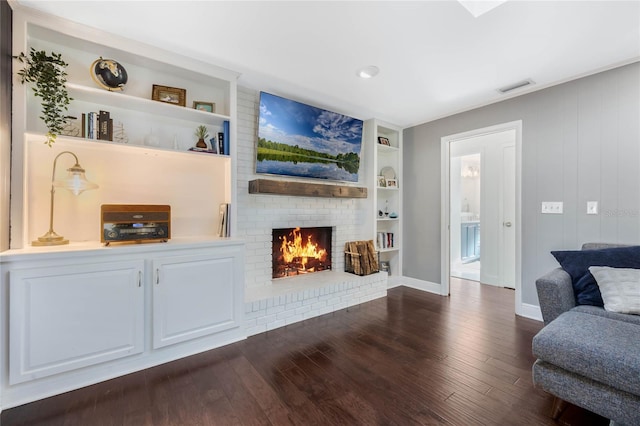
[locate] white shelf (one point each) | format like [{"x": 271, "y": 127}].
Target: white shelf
[
  {"x": 135, "y": 103},
  {"x": 388, "y": 219},
  {"x": 384, "y": 149},
  {"x": 125, "y": 146},
  {"x": 389, "y": 250}
]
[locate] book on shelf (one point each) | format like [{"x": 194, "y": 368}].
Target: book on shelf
[
  {"x": 92, "y": 125},
  {"x": 225, "y": 131},
  {"x": 385, "y": 240},
  {"x": 103, "y": 121},
  {"x": 224, "y": 223},
  {"x": 97, "y": 125},
  {"x": 214, "y": 145},
  {"x": 220, "y": 143}
]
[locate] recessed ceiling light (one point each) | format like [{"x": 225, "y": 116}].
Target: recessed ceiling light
[{"x": 368, "y": 71}]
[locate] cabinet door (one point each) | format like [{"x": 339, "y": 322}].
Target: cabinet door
[
  {"x": 194, "y": 296},
  {"x": 67, "y": 317}
]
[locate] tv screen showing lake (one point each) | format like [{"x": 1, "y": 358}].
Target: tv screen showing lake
[{"x": 300, "y": 140}]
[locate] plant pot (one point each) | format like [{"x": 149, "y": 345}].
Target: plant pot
[{"x": 201, "y": 144}]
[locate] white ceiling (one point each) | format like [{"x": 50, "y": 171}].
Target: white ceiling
[{"x": 435, "y": 58}]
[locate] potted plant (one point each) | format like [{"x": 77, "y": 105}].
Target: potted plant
[
  {"x": 49, "y": 75},
  {"x": 202, "y": 133}
]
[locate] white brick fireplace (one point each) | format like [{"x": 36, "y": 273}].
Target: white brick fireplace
[{"x": 258, "y": 214}]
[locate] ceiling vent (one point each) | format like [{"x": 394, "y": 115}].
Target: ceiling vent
[{"x": 514, "y": 86}]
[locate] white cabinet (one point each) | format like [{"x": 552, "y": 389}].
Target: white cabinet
[
  {"x": 386, "y": 143},
  {"x": 81, "y": 314},
  {"x": 67, "y": 317},
  {"x": 194, "y": 296}
]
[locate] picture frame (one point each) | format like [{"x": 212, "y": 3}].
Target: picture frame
[
  {"x": 382, "y": 182},
  {"x": 392, "y": 183},
  {"x": 385, "y": 266},
  {"x": 170, "y": 95},
  {"x": 383, "y": 141},
  {"x": 204, "y": 106}
]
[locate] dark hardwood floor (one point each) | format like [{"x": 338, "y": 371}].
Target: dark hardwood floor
[{"x": 411, "y": 358}]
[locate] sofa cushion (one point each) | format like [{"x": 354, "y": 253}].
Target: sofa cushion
[
  {"x": 596, "y": 310},
  {"x": 577, "y": 262},
  {"x": 593, "y": 346},
  {"x": 619, "y": 287}
]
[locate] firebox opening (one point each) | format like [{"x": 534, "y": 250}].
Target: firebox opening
[{"x": 298, "y": 251}]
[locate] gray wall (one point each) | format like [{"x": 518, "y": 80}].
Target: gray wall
[{"x": 581, "y": 142}]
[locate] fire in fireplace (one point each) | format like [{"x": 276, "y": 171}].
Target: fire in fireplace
[{"x": 300, "y": 251}]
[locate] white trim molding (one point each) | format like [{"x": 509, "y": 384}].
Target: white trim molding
[
  {"x": 529, "y": 311},
  {"x": 423, "y": 285},
  {"x": 444, "y": 203}
]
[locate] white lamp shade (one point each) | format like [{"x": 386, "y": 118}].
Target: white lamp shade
[{"x": 75, "y": 181}]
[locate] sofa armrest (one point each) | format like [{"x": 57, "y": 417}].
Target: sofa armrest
[{"x": 555, "y": 294}]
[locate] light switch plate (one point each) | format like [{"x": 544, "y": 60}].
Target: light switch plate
[
  {"x": 592, "y": 207},
  {"x": 552, "y": 207}
]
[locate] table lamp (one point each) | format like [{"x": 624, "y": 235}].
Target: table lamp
[{"x": 77, "y": 183}]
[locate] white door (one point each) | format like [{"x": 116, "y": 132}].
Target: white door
[
  {"x": 508, "y": 203},
  {"x": 66, "y": 317},
  {"x": 194, "y": 296}
]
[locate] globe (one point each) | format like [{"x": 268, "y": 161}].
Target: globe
[{"x": 109, "y": 74}]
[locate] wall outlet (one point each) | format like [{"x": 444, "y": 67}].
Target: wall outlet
[
  {"x": 592, "y": 207},
  {"x": 552, "y": 207}
]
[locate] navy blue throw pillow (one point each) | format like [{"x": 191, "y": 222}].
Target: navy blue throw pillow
[{"x": 577, "y": 262}]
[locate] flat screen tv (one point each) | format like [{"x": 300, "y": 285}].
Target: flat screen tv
[{"x": 299, "y": 140}]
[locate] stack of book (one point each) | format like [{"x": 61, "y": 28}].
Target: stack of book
[
  {"x": 385, "y": 240},
  {"x": 97, "y": 125}
]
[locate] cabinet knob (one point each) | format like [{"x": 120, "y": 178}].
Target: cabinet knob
[{"x": 507, "y": 224}]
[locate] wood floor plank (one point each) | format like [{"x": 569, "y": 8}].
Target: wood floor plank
[{"x": 412, "y": 358}]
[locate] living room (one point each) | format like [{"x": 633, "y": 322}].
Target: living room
[{"x": 578, "y": 143}]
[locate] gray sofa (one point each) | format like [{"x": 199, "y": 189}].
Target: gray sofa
[{"x": 586, "y": 355}]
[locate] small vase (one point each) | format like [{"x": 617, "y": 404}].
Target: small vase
[
  {"x": 201, "y": 144},
  {"x": 152, "y": 139}
]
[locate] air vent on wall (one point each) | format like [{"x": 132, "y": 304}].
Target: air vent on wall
[{"x": 518, "y": 85}]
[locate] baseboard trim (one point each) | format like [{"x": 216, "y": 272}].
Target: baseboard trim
[
  {"x": 417, "y": 284},
  {"x": 530, "y": 311}
]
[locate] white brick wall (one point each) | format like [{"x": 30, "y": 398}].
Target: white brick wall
[{"x": 258, "y": 214}]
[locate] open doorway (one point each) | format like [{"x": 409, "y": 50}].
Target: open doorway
[
  {"x": 465, "y": 196},
  {"x": 481, "y": 207}
]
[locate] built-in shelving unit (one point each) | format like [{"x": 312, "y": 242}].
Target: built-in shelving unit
[
  {"x": 387, "y": 196},
  {"x": 149, "y": 126},
  {"x": 81, "y": 313}
]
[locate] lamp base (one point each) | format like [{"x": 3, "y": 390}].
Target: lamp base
[{"x": 50, "y": 239}]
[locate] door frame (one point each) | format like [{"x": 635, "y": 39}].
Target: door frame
[{"x": 445, "y": 244}]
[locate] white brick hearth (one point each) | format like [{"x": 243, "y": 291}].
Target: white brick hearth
[
  {"x": 306, "y": 296},
  {"x": 258, "y": 214}
]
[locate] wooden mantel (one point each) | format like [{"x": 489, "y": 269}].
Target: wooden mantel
[{"x": 303, "y": 189}]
